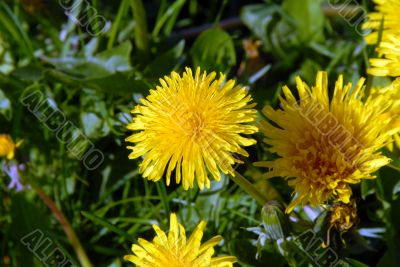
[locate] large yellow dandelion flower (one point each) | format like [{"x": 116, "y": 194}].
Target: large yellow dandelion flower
[
  {"x": 393, "y": 115},
  {"x": 192, "y": 124},
  {"x": 174, "y": 250},
  {"x": 389, "y": 65},
  {"x": 326, "y": 145},
  {"x": 7, "y": 146},
  {"x": 385, "y": 17}
]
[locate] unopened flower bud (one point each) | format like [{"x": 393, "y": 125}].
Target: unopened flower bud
[{"x": 274, "y": 219}]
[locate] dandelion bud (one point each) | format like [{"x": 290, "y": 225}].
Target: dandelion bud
[{"x": 275, "y": 222}]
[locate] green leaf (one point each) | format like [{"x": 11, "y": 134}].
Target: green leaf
[
  {"x": 25, "y": 214},
  {"x": 122, "y": 11},
  {"x": 169, "y": 17},
  {"x": 10, "y": 22},
  {"x": 117, "y": 58},
  {"x": 166, "y": 62},
  {"x": 309, "y": 18},
  {"x": 273, "y": 26},
  {"x": 353, "y": 263},
  {"x": 101, "y": 65},
  {"x": 31, "y": 73},
  {"x": 117, "y": 83},
  {"x": 109, "y": 71},
  {"x": 141, "y": 33},
  {"x": 213, "y": 50},
  {"x": 6, "y": 59},
  {"x": 386, "y": 183},
  {"x": 396, "y": 189},
  {"x": 91, "y": 123},
  {"x": 108, "y": 225},
  {"x": 258, "y": 18},
  {"x": 367, "y": 188}
]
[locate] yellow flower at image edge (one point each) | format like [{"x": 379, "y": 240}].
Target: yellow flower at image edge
[
  {"x": 325, "y": 146},
  {"x": 386, "y": 17},
  {"x": 192, "y": 124},
  {"x": 389, "y": 65},
  {"x": 7, "y": 146},
  {"x": 393, "y": 115},
  {"x": 174, "y": 250}
]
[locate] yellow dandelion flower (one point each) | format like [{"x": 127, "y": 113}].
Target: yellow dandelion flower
[
  {"x": 389, "y": 65},
  {"x": 7, "y": 146},
  {"x": 325, "y": 145},
  {"x": 175, "y": 250},
  {"x": 387, "y": 12},
  {"x": 192, "y": 124},
  {"x": 393, "y": 115}
]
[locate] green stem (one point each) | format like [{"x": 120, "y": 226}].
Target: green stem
[
  {"x": 393, "y": 167},
  {"x": 346, "y": 10},
  {"x": 249, "y": 188},
  {"x": 94, "y": 19},
  {"x": 73, "y": 239},
  {"x": 141, "y": 32},
  {"x": 221, "y": 10},
  {"x": 123, "y": 8}
]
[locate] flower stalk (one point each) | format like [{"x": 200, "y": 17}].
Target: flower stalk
[
  {"x": 69, "y": 232},
  {"x": 249, "y": 188}
]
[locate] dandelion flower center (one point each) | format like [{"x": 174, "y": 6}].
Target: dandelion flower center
[{"x": 193, "y": 125}]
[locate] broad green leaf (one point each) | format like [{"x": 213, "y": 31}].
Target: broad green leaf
[
  {"x": 273, "y": 27},
  {"x": 309, "y": 18},
  {"x": 213, "y": 50},
  {"x": 258, "y": 18}
]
